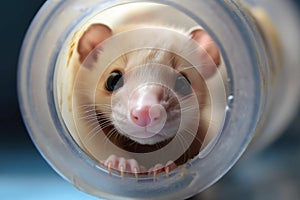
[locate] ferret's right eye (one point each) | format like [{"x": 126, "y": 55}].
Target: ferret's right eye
[{"x": 114, "y": 81}]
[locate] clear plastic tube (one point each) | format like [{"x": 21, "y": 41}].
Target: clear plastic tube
[{"x": 258, "y": 41}]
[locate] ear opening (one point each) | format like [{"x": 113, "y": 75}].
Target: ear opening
[
  {"x": 208, "y": 51},
  {"x": 91, "y": 38}
]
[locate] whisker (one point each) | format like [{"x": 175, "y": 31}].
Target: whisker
[
  {"x": 110, "y": 134},
  {"x": 98, "y": 127},
  {"x": 188, "y": 108},
  {"x": 88, "y": 117},
  {"x": 104, "y": 124},
  {"x": 92, "y": 123},
  {"x": 92, "y": 133}
]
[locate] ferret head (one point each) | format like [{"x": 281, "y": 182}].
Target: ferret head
[{"x": 150, "y": 94}]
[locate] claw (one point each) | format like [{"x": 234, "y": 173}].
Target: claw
[
  {"x": 167, "y": 171},
  {"x": 136, "y": 173},
  {"x": 169, "y": 167},
  {"x": 109, "y": 168},
  {"x": 122, "y": 171},
  {"x": 183, "y": 171}
]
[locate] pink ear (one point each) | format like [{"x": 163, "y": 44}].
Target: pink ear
[
  {"x": 209, "y": 53},
  {"x": 93, "y": 36}
]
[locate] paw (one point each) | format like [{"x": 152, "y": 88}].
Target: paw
[
  {"x": 131, "y": 166},
  {"x": 159, "y": 168},
  {"x": 123, "y": 165}
]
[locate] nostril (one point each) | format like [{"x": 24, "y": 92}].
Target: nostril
[
  {"x": 156, "y": 112},
  {"x": 135, "y": 118}
]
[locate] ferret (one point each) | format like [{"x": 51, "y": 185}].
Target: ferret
[{"x": 147, "y": 97}]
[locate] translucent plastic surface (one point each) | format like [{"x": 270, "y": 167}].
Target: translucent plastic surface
[{"x": 71, "y": 104}]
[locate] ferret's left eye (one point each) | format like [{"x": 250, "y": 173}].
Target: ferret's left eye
[
  {"x": 114, "y": 81},
  {"x": 182, "y": 85}
]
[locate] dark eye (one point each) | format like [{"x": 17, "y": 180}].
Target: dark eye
[
  {"x": 182, "y": 85},
  {"x": 114, "y": 81}
]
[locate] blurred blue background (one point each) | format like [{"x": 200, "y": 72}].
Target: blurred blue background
[{"x": 273, "y": 174}]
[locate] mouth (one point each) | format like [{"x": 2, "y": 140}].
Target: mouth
[
  {"x": 140, "y": 142},
  {"x": 144, "y": 134},
  {"x": 145, "y": 145},
  {"x": 146, "y": 138}
]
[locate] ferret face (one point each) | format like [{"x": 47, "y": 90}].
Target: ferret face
[{"x": 151, "y": 93}]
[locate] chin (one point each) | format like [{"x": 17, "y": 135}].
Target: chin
[{"x": 149, "y": 141}]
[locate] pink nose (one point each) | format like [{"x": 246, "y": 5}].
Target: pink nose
[
  {"x": 140, "y": 116},
  {"x": 144, "y": 116}
]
